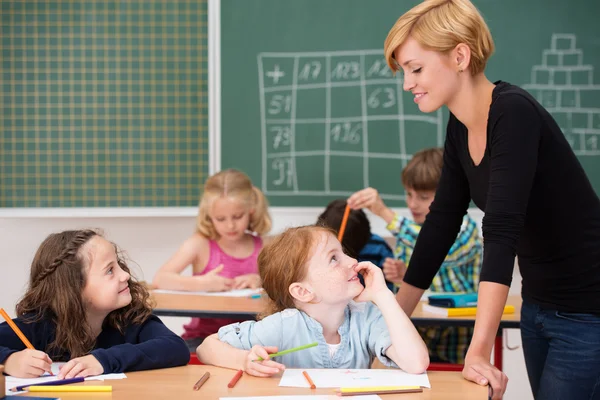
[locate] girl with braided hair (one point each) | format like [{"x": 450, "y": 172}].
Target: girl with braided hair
[{"x": 82, "y": 306}]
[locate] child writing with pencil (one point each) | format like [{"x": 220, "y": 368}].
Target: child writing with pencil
[
  {"x": 232, "y": 217},
  {"x": 459, "y": 271},
  {"x": 315, "y": 296},
  {"x": 82, "y": 306}
]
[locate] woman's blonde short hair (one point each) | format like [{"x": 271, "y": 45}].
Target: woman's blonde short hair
[{"x": 440, "y": 25}]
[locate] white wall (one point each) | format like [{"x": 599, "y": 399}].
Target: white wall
[{"x": 151, "y": 240}]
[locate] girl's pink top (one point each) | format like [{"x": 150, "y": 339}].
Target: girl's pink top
[{"x": 232, "y": 267}]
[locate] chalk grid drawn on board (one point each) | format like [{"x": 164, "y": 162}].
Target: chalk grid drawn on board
[
  {"x": 323, "y": 112},
  {"x": 565, "y": 86}
]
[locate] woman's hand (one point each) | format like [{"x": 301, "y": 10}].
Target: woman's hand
[{"x": 479, "y": 370}]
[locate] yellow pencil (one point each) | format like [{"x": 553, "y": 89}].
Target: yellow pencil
[{"x": 74, "y": 388}]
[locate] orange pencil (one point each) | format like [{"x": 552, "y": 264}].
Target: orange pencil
[
  {"x": 343, "y": 224},
  {"x": 310, "y": 381},
  {"x": 235, "y": 379},
  {"x": 16, "y": 329}
]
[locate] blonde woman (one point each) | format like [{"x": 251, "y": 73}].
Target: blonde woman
[{"x": 505, "y": 152}]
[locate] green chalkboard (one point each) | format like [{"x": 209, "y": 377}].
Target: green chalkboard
[
  {"x": 104, "y": 103},
  {"x": 310, "y": 111}
]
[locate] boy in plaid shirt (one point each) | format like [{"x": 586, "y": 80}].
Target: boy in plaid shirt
[{"x": 460, "y": 270}]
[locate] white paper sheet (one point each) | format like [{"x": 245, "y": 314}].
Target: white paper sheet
[
  {"x": 12, "y": 382},
  {"x": 309, "y": 397},
  {"x": 347, "y": 378},
  {"x": 231, "y": 293}
]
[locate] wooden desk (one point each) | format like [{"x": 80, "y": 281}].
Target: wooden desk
[
  {"x": 177, "y": 383},
  {"x": 190, "y": 305},
  {"x": 184, "y": 305}
]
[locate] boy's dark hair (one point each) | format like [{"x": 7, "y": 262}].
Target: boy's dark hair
[
  {"x": 424, "y": 169},
  {"x": 358, "y": 228}
]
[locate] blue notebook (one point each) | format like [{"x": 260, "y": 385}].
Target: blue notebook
[{"x": 453, "y": 300}]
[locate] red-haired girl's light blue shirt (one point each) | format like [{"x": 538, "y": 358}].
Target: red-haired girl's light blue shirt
[{"x": 364, "y": 336}]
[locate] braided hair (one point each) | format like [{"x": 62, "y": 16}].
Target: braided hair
[{"x": 57, "y": 279}]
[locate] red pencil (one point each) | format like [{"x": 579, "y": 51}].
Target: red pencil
[
  {"x": 310, "y": 381},
  {"x": 236, "y": 378}
]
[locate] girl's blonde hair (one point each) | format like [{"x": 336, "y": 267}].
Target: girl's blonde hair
[
  {"x": 58, "y": 276},
  {"x": 283, "y": 261},
  {"x": 440, "y": 25},
  {"x": 236, "y": 184}
]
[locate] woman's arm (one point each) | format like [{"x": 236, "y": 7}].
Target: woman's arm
[{"x": 440, "y": 229}]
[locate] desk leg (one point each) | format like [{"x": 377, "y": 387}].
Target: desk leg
[{"x": 498, "y": 350}]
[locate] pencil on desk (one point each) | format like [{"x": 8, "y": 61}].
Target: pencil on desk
[
  {"x": 201, "y": 381},
  {"x": 235, "y": 379},
  {"x": 310, "y": 381},
  {"x": 51, "y": 383},
  {"x": 378, "y": 390},
  {"x": 16, "y": 330},
  {"x": 343, "y": 224},
  {"x": 75, "y": 388}
]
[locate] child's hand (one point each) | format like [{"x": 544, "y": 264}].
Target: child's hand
[
  {"x": 81, "y": 367},
  {"x": 28, "y": 364},
  {"x": 367, "y": 198},
  {"x": 215, "y": 282},
  {"x": 374, "y": 281},
  {"x": 394, "y": 270},
  {"x": 263, "y": 368},
  {"x": 251, "y": 281}
]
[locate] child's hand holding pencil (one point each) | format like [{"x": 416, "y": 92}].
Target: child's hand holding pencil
[
  {"x": 28, "y": 363},
  {"x": 264, "y": 368}
]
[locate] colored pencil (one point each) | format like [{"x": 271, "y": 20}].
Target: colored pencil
[
  {"x": 16, "y": 330},
  {"x": 52, "y": 383},
  {"x": 75, "y": 388},
  {"x": 343, "y": 224},
  {"x": 310, "y": 381},
  {"x": 378, "y": 390},
  {"x": 280, "y": 353},
  {"x": 235, "y": 379},
  {"x": 201, "y": 381}
]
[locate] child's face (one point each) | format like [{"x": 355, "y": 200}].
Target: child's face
[
  {"x": 107, "y": 285},
  {"x": 331, "y": 276},
  {"x": 418, "y": 201},
  {"x": 230, "y": 217}
]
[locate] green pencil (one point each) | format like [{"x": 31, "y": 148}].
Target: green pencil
[{"x": 280, "y": 353}]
